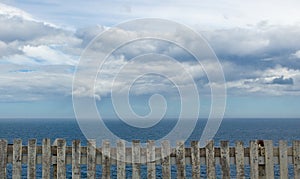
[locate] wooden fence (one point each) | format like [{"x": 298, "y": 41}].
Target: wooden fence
[{"x": 261, "y": 156}]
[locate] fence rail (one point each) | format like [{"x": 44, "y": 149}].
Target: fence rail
[{"x": 261, "y": 156}]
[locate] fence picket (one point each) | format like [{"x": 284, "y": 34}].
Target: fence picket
[
  {"x": 121, "y": 159},
  {"x": 180, "y": 159},
  {"x": 151, "y": 159},
  {"x": 239, "y": 160},
  {"x": 61, "y": 158},
  {"x": 31, "y": 168},
  {"x": 46, "y": 158},
  {"x": 91, "y": 159},
  {"x": 225, "y": 160},
  {"x": 283, "y": 159},
  {"x": 195, "y": 157},
  {"x": 165, "y": 155},
  {"x": 17, "y": 159},
  {"x": 269, "y": 159},
  {"x": 296, "y": 158},
  {"x": 76, "y": 156},
  {"x": 254, "y": 159},
  {"x": 3, "y": 158},
  {"x": 210, "y": 160}
]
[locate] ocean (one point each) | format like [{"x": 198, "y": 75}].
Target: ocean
[{"x": 230, "y": 129}]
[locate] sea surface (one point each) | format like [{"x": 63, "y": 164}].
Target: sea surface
[{"x": 230, "y": 129}]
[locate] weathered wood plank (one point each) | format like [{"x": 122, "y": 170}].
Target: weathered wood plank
[
  {"x": 296, "y": 158},
  {"x": 195, "y": 157},
  {"x": 46, "y": 159},
  {"x": 253, "y": 159},
  {"x": 31, "y": 168},
  {"x": 3, "y": 158},
  {"x": 239, "y": 160},
  {"x": 165, "y": 155},
  {"x": 76, "y": 156},
  {"x": 136, "y": 159},
  {"x": 91, "y": 159},
  {"x": 17, "y": 158},
  {"x": 180, "y": 159},
  {"x": 269, "y": 159},
  {"x": 121, "y": 160},
  {"x": 61, "y": 158},
  {"x": 225, "y": 160},
  {"x": 210, "y": 160},
  {"x": 106, "y": 159},
  {"x": 283, "y": 159},
  {"x": 151, "y": 159}
]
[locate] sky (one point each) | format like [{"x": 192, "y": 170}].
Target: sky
[{"x": 256, "y": 42}]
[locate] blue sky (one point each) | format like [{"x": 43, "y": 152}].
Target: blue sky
[{"x": 257, "y": 43}]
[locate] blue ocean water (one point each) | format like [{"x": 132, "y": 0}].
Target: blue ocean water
[{"x": 230, "y": 129}]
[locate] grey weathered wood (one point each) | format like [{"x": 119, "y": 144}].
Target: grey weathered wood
[
  {"x": 253, "y": 159},
  {"x": 195, "y": 157},
  {"x": 76, "y": 155},
  {"x": 17, "y": 158},
  {"x": 165, "y": 155},
  {"x": 180, "y": 159},
  {"x": 121, "y": 160},
  {"x": 3, "y": 158},
  {"x": 210, "y": 160},
  {"x": 296, "y": 158},
  {"x": 151, "y": 159},
  {"x": 31, "y": 168},
  {"x": 91, "y": 159},
  {"x": 61, "y": 158},
  {"x": 46, "y": 159},
  {"x": 136, "y": 159},
  {"x": 269, "y": 159},
  {"x": 225, "y": 160},
  {"x": 106, "y": 159},
  {"x": 283, "y": 159},
  {"x": 239, "y": 160}
]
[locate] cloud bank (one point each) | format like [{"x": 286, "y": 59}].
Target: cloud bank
[{"x": 38, "y": 59}]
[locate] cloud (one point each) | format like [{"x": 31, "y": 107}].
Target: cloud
[
  {"x": 38, "y": 59},
  {"x": 296, "y": 54},
  {"x": 283, "y": 81}
]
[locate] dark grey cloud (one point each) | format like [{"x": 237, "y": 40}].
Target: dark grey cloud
[{"x": 283, "y": 81}]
